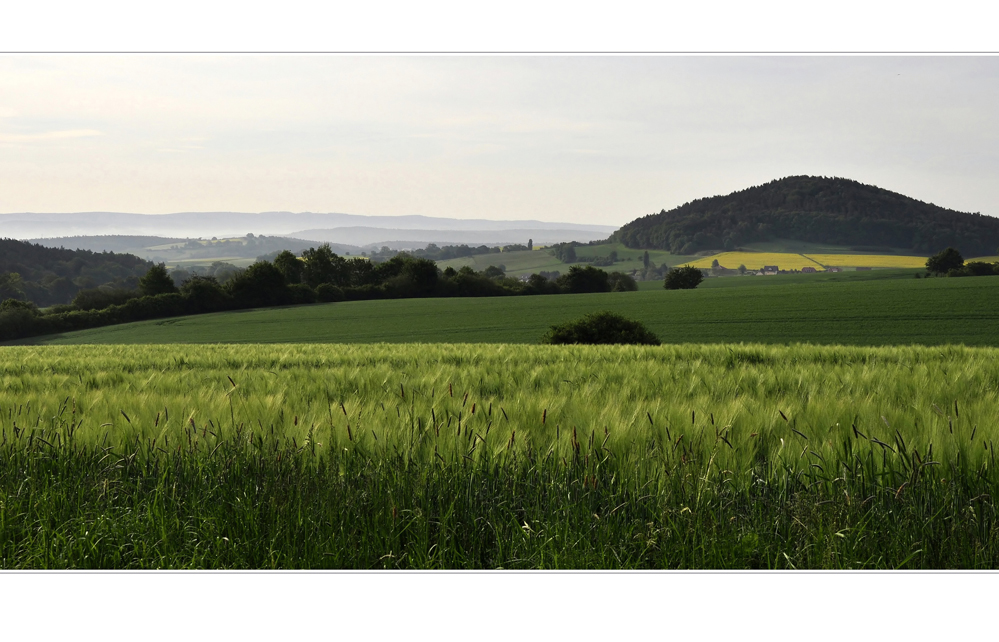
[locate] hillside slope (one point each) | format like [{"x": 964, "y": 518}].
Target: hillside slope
[
  {"x": 814, "y": 209},
  {"x": 48, "y": 275}
]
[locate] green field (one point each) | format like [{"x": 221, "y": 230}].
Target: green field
[
  {"x": 866, "y": 309},
  {"x": 525, "y": 263},
  {"x": 487, "y": 456}
]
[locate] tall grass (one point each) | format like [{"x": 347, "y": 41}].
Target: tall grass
[{"x": 452, "y": 456}]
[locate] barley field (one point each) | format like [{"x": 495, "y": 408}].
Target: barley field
[{"x": 487, "y": 456}]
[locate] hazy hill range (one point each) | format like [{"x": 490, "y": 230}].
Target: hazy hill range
[
  {"x": 171, "y": 250},
  {"x": 405, "y": 239},
  {"x": 813, "y": 209},
  {"x": 234, "y": 224}
]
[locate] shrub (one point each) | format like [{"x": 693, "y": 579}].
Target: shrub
[
  {"x": 329, "y": 293},
  {"x": 980, "y": 268},
  {"x": 601, "y": 328},
  {"x": 301, "y": 293},
  {"x": 683, "y": 278}
]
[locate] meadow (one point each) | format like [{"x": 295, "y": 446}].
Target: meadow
[
  {"x": 867, "y": 308},
  {"x": 488, "y": 456}
]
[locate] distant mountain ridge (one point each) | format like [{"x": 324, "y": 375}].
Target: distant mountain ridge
[
  {"x": 836, "y": 211},
  {"x": 231, "y": 224},
  {"x": 399, "y": 238}
]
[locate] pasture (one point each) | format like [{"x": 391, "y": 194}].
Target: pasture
[
  {"x": 487, "y": 456},
  {"x": 819, "y": 309}
]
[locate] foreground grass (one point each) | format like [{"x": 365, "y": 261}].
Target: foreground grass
[
  {"x": 437, "y": 456},
  {"x": 826, "y": 309}
]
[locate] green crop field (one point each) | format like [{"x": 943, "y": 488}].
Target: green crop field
[
  {"x": 820, "y": 309},
  {"x": 486, "y": 456},
  {"x": 523, "y": 263}
]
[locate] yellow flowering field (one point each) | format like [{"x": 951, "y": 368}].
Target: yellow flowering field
[
  {"x": 756, "y": 260},
  {"x": 869, "y": 260},
  {"x": 789, "y": 261}
]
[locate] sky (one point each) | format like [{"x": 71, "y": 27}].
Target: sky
[{"x": 597, "y": 139}]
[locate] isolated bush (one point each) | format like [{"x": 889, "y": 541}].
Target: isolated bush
[
  {"x": 945, "y": 261},
  {"x": 601, "y": 328},
  {"x": 683, "y": 278}
]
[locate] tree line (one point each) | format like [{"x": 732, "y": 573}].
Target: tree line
[{"x": 319, "y": 275}]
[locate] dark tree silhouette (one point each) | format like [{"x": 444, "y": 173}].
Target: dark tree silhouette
[
  {"x": 683, "y": 278},
  {"x": 601, "y": 328},
  {"x": 945, "y": 261}
]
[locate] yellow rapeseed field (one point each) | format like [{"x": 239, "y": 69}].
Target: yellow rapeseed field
[
  {"x": 869, "y": 260},
  {"x": 756, "y": 260},
  {"x": 789, "y": 261}
]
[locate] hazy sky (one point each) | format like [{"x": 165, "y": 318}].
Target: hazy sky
[{"x": 588, "y": 139}]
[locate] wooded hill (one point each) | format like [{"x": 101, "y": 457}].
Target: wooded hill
[
  {"x": 835, "y": 211},
  {"x": 49, "y": 276}
]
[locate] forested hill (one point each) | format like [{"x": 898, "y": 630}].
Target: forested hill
[
  {"x": 49, "y": 275},
  {"x": 815, "y": 209}
]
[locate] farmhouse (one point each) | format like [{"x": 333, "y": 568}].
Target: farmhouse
[
  {"x": 770, "y": 269},
  {"x": 809, "y": 270}
]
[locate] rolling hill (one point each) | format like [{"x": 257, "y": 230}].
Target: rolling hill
[{"x": 813, "y": 209}]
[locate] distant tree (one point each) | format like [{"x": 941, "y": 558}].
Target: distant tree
[
  {"x": 585, "y": 279},
  {"x": 289, "y": 265},
  {"x": 11, "y": 286},
  {"x": 530, "y": 244},
  {"x": 714, "y": 263},
  {"x": 683, "y": 278},
  {"x": 645, "y": 260},
  {"x": 157, "y": 281},
  {"x": 945, "y": 261},
  {"x": 621, "y": 282},
  {"x": 204, "y": 294},
  {"x": 494, "y": 272},
  {"x": 600, "y": 328},
  {"x": 569, "y": 256},
  {"x": 322, "y": 265},
  {"x": 742, "y": 269},
  {"x": 259, "y": 285}
]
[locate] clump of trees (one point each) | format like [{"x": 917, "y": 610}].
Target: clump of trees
[
  {"x": 951, "y": 263},
  {"x": 683, "y": 278},
  {"x": 601, "y": 328}
]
